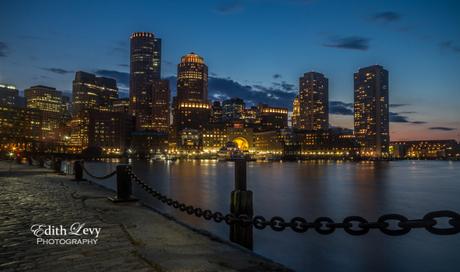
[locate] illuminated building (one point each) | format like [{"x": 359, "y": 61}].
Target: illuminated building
[
  {"x": 313, "y": 102},
  {"x": 371, "y": 111},
  {"x": 109, "y": 131},
  {"x": 194, "y": 115},
  {"x": 190, "y": 140},
  {"x": 295, "y": 113},
  {"x": 92, "y": 93},
  {"x": 20, "y": 128},
  {"x": 192, "y": 79},
  {"x": 9, "y": 95},
  {"x": 214, "y": 137},
  {"x": 251, "y": 117},
  {"x": 50, "y": 103},
  {"x": 424, "y": 149},
  {"x": 145, "y": 68},
  {"x": 216, "y": 112},
  {"x": 191, "y": 109},
  {"x": 121, "y": 105},
  {"x": 155, "y": 115},
  {"x": 272, "y": 118},
  {"x": 232, "y": 109}
]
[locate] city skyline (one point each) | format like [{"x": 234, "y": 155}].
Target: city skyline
[{"x": 414, "y": 114}]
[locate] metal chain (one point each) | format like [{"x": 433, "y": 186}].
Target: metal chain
[
  {"x": 353, "y": 225},
  {"x": 101, "y": 177}
]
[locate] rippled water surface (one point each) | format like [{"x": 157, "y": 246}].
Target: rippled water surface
[{"x": 313, "y": 189}]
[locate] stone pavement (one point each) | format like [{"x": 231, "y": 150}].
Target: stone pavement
[{"x": 132, "y": 237}]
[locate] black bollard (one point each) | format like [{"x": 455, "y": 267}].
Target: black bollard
[
  {"x": 41, "y": 162},
  {"x": 57, "y": 165},
  {"x": 29, "y": 160},
  {"x": 241, "y": 203},
  {"x": 78, "y": 170},
  {"x": 124, "y": 184}
]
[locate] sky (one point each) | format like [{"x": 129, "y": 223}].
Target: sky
[{"x": 255, "y": 49}]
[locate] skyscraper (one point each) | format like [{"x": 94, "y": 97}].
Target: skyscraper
[
  {"x": 90, "y": 92},
  {"x": 371, "y": 110},
  {"x": 232, "y": 109},
  {"x": 313, "y": 102},
  {"x": 49, "y": 101},
  {"x": 192, "y": 79},
  {"x": 145, "y": 67},
  {"x": 191, "y": 107},
  {"x": 295, "y": 112}
]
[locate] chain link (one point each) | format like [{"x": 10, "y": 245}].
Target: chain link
[
  {"x": 99, "y": 177},
  {"x": 353, "y": 225}
]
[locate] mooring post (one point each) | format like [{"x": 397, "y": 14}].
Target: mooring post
[
  {"x": 78, "y": 170},
  {"x": 241, "y": 204},
  {"x": 41, "y": 162},
  {"x": 124, "y": 185},
  {"x": 57, "y": 165}
]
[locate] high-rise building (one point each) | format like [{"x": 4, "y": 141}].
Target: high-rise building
[
  {"x": 216, "y": 112},
  {"x": 49, "y": 101},
  {"x": 232, "y": 109},
  {"x": 8, "y": 95},
  {"x": 313, "y": 102},
  {"x": 160, "y": 105},
  {"x": 295, "y": 112},
  {"x": 90, "y": 92},
  {"x": 191, "y": 108},
  {"x": 145, "y": 67},
  {"x": 371, "y": 111},
  {"x": 192, "y": 79}
]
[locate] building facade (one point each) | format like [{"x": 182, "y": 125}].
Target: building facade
[
  {"x": 90, "y": 92},
  {"x": 145, "y": 67},
  {"x": 191, "y": 108},
  {"x": 371, "y": 111},
  {"x": 313, "y": 102},
  {"x": 51, "y": 105},
  {"x": 192, "y": 79},
  {"x": 9, "y": 95}
]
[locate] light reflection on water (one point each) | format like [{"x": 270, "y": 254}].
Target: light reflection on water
[{"x": 322, "y": 188}]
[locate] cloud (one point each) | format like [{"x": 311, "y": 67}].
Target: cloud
[
  {"x": 58, "y": 71},
  {"x": 352, "y": 42},
  {"x": 229, "y": 7},
  {"x": 223, "y": 88},
  {"x": 387, "y": 16},
  {"x": 398, "y": 105},
  {"x": 122, "y": 78},
  {"x": 3, "y": 49},
  {"x": 287, "y": 87},
  {"x": 442, "y": 128},
  {"x": 340, "y": 108},
  {"x": 123, "y": 65},
  {"x": 398, "y": 118},
  {"x": 276, "y": 76},
  {"x": 450, "y": 46}
]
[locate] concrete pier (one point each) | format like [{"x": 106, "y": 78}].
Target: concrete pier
[{"x": 132, "y": 237}]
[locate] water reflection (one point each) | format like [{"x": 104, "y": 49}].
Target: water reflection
[{"x": 321, "y": 188}]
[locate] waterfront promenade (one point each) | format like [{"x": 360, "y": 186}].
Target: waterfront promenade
[{"x": 132, "y": 237}]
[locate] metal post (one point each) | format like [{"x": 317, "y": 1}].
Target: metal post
[
  {"x": 124, "y": 189},
  {"x": 78, "y": 170},
  {"x": 241, "y": 203},
  {"x": 57, "y": 165}
]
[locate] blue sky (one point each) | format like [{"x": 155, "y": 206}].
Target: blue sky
[{"x": 256, "y": 49}]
